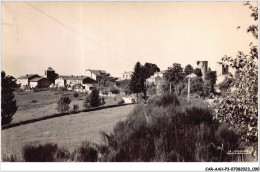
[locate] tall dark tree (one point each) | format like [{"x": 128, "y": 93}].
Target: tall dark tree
[
  {"x": 197, "y": 72},
  {"x": 212, "y": 78},
  {"x": 137, "y": 82},
  {"x": 174, "y": 74},
  {"x": 150, "y": 69},
  {"x": 8, "y": 98},
  {"x": 188, "y": 69}
]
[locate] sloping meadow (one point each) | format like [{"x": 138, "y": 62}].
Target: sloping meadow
[{"x": 166, "y": 129}]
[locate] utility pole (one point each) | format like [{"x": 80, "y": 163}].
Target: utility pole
[{"x": 189, "y": 88}]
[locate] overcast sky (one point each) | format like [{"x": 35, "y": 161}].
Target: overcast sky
[{"x": 74, "y": 36}]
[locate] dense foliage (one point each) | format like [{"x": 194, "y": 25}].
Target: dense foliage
[
  {"x": 63, "y": 104},
  {"x": 188, "y": 69},
  {"x": 239, "y": 107},
  {"x": 8, "y": 102},
  {"x": 197, "y": 72},
  {"x": 137, "y": 82}
]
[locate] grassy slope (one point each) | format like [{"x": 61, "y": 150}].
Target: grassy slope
[
  {"x": 67, "y": 131},
  {"x": 46, "y": 104}
]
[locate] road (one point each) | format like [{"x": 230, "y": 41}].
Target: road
[{"x": 66, "y": 131}]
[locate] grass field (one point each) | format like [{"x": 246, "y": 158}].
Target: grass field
[
  {"x": 32, "y": 105},
  {"x": 68, "y": 131}
]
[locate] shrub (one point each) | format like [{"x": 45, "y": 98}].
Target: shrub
[
  {"x": 207, "y": 88},
  {"x": 45, "y": 153},
  {"x": 227, "y": 136},
  {"x": 114, "y": 90},
  {"x": 226, "y": 84},
  {"x": 166, "y": 99},
  {"x": 86, "y": 153},
  {"x": 63, "y": 104},
  {"x": 92, "y": 100},
  {"x": 95, "y": 100},
  {"x": 86, "y": 102},
  {"x": 76, "y": 94},
  {"x": 76, "y": 107},
  {"x": 40, "y": 153},
  {"x": 119, "y": 99},
  {"x": 152, "y": 133}
]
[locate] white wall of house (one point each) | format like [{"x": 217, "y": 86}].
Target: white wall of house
[
  {"x": 23, "y": 82},
  {"x": 60, "y": 82},
  {"x": 126, "y": 76},
  {"x": 91, "y": 75},
  {"x": 73, "y": 82},
  {"x": 33, "y": 84}
]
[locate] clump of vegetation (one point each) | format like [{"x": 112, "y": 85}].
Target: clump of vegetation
[
  {"x": 76, "y": 94},
  {"x": 76, "y": 107},
  {"x": 114, "y": 90},
  {"x": 166, "y": 99},
  {"x": 34, "y": 101},
  {"x": 86, "y": 153},
  {"x": 119, "y": 99},
  {"x": 93, "y": 99},
  {"x": 226, "y": 84},
  {"x": 8, "y": 101},
  {"x": 163, "y": 131},
  {"x": 63, "y": 104}
]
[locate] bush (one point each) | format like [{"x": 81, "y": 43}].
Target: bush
[
  {"x": 76, "y": 94},
  {"x": 166, "y": 99},
  {"x": 152, "y": 133},
  {"x": 86, "y": 153},
  {"x": 227, "y": 136},
  {"x": 75, "y": 107},
  {"x": 95, "y": 100},
  {"x": 207, "y": 88},
  {"x": 92, "y": 100},
  {"x": 86, "y": 102},
  {"x": 40, "y": 153},
  {"x": 226, "y": 84},
  {"x": 63, "y": 104},
  {"x": 45, "y": 153},
  {"x": 114, "y": 90},
  {"x": 119, "y": 99}
]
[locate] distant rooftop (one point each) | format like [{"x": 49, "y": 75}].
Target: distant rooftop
[
  {"x": 129, "y": 72},
  {"x": 27, "y": 76},
  {"x": 66, "y": 77},
  {"x": 96, "y": 72},
  {"x": 36, "y": 79}
]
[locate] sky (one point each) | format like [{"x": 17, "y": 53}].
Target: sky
[{"x": 74, "y": 36}]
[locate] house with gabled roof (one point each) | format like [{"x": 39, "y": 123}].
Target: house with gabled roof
[
  {"x": 25, "y": 80},
  {"x": 94, "y": 73},
  {"x": 39, "y": 82},
  {"x": 126, "y": 75},
  {"x": 86, "y": 82}
]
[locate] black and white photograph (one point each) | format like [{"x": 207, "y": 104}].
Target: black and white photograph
[{"x": 129, "y": 81}]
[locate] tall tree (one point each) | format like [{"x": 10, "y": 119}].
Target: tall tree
[
  {"x": 150, "y": 69},
  {"x": 240, "y": 106},
  {"x": 212, "y": 78},
  {"x": 188, "y": 69},
  {"x": 197, "y": 72},
  {"x": 174, "y": 74},
  {"x": 137, "y": 82},
  {"x": 8, "y": 98}
]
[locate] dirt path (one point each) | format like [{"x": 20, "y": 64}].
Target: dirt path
[{"x": 69, "y": 131}]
